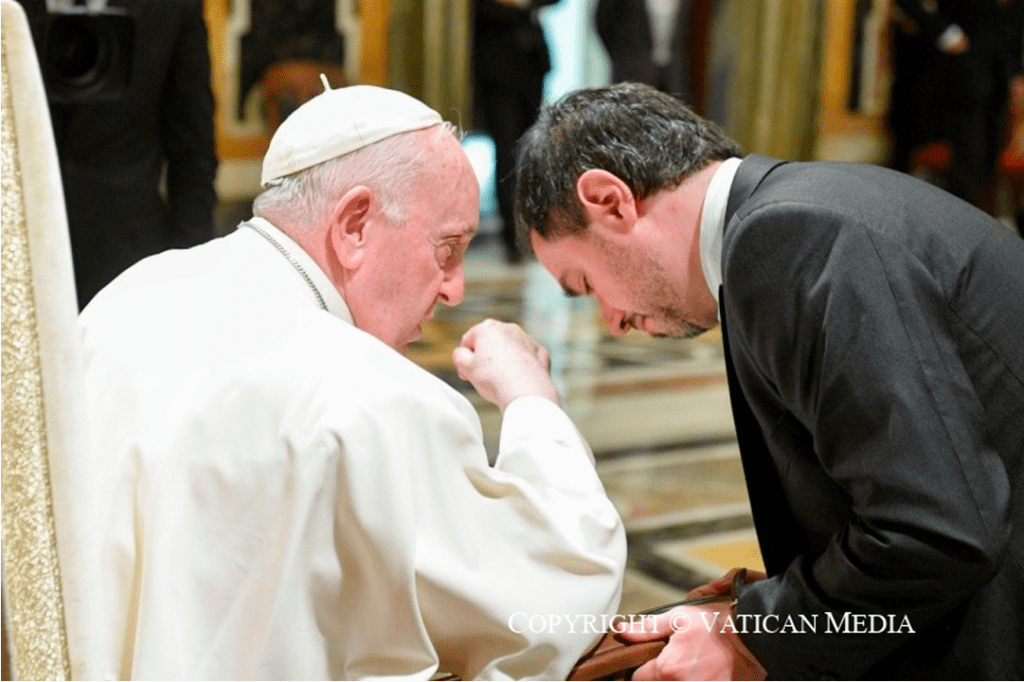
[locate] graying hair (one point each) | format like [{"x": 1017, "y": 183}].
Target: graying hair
[
  {"x": 390, "y": 168},
  {"x": 646, "y": 138}
]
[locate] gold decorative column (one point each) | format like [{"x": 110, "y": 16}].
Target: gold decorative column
[{"x": 430, "y": 52}]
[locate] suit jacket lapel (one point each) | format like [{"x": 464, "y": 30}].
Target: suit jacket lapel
[
  {"x": 772, "y": 519},
  {"x": 777, "y": 533}
]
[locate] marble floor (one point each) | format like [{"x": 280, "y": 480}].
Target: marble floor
[{"x": 655, "y": 411}]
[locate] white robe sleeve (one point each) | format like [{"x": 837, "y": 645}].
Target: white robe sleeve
[{"x": 517, "y": 568}]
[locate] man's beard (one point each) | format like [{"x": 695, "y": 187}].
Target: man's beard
[
  {"x": 678, "y": 328},
  {"x": 654, "y": 291},
  {"x": 658, "y": 292}
]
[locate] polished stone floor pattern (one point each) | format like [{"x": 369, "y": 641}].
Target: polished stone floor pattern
[{"x": 655, "y": 412}]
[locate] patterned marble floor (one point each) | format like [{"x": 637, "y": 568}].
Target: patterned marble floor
[{"x": 655, "y": 411}]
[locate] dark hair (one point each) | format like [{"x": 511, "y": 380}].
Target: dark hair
[{"x": 646, "y": 138}]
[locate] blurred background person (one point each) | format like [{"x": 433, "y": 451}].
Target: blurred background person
[
  {"x": 952, "y": 64},
  {"x": 647, "y": 42},
  {"x": 1011, "y": 160},
  {"x": 138, "y": 170},
  {"x": 287, "y": 47},
  {"x": 510, "y": 61}
]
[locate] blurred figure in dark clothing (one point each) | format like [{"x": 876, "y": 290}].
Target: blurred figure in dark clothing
[
  {"x": 647, "y": 42},
  {"x": 290, "y": 34},
  {"x": 511, "y": 59},
  {"x": 139, "y": 170},
  {"x": 953, "y": 60}
]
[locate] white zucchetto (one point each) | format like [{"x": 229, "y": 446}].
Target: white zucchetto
[{"x": 338, "y": 122}]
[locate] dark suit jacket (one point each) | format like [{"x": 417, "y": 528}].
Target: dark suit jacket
[
  {"x": 114, "y": 154},
  {"x": 874, "y": 328}
]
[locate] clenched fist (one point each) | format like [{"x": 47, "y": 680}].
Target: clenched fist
[{"x": 504, "y": 363}]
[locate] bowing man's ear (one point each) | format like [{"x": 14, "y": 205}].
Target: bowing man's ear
[
  {"x": 606, "y": 199},
  {"x": 351, "y": 225}
]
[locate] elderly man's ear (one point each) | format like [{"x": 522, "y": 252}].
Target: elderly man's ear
[
  {"x": 352, "y": 224},
  {"x": 607, "y": 200}
]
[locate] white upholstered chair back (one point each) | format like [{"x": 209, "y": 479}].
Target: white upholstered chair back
[{"x": 50, "y": 566}]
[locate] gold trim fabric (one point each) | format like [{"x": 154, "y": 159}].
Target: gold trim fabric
[{"x": 34, "y": 615}]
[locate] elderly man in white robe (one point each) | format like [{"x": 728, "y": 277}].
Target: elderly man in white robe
[{"x": 284, "y": 494}]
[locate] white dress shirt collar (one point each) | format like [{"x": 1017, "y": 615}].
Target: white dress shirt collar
[
  {"x": 303, "y": 262},
  {"x": 712, "y": 223}
]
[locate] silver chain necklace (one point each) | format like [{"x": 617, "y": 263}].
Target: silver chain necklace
[{"x": 294, "y": 263}]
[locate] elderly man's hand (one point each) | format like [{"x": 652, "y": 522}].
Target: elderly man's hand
[
  {"x": 504, "y": 363},
  {"x": 703, "y": 645}
]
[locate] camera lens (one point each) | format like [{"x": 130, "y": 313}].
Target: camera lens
[
  {"x": 85, "y": 56},
  {"x": 78, "y": 52}
]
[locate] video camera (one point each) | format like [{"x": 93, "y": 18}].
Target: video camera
[{"x": 85, "y": 50}]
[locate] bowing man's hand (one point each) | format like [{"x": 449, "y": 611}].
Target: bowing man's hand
[
  {"x": 703, "y": 645},
  {"x": 504, "y": 363}
]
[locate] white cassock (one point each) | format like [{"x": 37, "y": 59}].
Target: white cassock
[{"x": 286, "y": 497}]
